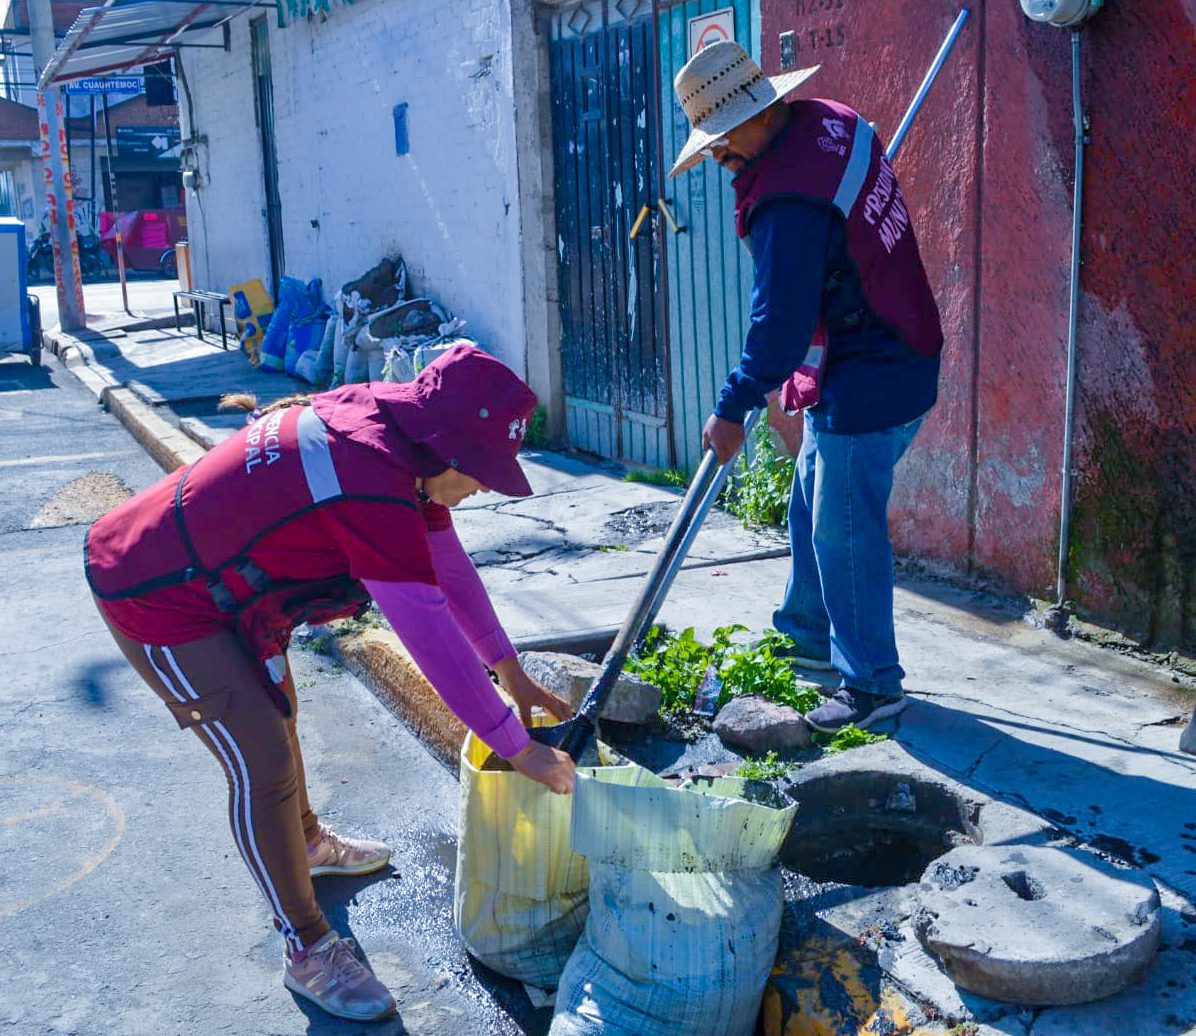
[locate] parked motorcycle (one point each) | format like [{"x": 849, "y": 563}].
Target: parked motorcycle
[{"x": 93, "y": 260}]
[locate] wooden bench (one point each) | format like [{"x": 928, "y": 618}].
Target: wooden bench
[{"x": 198, "y": 300}]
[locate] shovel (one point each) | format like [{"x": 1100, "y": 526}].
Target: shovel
[{"x": 574, "y": 734}]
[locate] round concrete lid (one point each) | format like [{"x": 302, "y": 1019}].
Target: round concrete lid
[{"x": 1037, "y": 926}]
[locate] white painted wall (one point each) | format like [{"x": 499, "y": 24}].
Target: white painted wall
[
  {"x": 450, "y": 206},
  {"x": 29, "y": 189}
]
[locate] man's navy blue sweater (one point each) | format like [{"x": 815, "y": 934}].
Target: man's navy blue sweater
[{"x": 872, "y": 380}]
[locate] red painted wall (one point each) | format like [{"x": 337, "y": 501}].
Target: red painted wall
[{"x": 988, "y": 169}]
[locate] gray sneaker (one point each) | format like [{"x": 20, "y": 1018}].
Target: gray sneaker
[
  {"x": 850, "y": 707},
  {"x": 334, "y": 978}
]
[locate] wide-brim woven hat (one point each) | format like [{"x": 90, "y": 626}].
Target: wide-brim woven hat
[{"x": 720, "y": 88}]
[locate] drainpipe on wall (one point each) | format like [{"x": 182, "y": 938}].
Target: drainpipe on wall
[
  {"x": 1056, "y": 616},
  {"x": 1068, "y": 14}
]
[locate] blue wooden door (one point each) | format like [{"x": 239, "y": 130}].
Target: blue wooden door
[
  {"x": 709, "y": 269},
  {"x": 605, "y": 104}
]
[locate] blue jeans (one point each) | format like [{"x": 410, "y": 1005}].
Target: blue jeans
[{"x": 839, "y": 601}]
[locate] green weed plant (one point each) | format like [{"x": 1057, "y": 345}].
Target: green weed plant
[
  {"x": 849, "y": 737},
  {"x": 659, "y": 477},
  {"x": 769, "y": 768},
  {"x": 677, "y": 662},
  {"x": 758, "y": 490},
  {"x": 536, "y": 436}
]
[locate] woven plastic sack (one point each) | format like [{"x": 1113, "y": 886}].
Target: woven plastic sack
[
  {"x": 685, "y": 906},
  {"x": 520, "y": 891},
  {"x": 296, "y": 301}
]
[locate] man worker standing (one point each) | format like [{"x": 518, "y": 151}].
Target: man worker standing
[{"x": 844, "y": 322}]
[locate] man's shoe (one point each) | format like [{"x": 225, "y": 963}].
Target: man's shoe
[
  {"x": 334, "y": 854},
  {"x": 332, "y": 977},
  {"x": 853, "y": 708}
]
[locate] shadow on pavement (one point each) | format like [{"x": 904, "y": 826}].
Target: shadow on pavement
[
  {"x": 17, "y": 374},
  {"x": 91, "y": 685}
]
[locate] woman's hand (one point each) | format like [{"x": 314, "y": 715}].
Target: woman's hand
[
  {"x": 549, "y": 766},
  {"x": 529, "y": 693}
]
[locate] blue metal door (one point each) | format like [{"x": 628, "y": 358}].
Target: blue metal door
[
  {"x": 709, "y": 270},
  {"x": 605, "y": 104}
]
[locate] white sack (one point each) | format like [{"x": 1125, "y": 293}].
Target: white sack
[{"x": 685, "y": 906}]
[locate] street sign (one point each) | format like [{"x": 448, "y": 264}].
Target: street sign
[
  {"x": 711, "y": 28},
  {"x": 147, "y": 141},
  {"x": 106, "y": 84}
]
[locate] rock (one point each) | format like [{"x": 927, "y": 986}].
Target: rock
[
  {"x": 632, "y": 700},
  {"x": 1187, "y": 740},
  {"x": 761, "y": 726},
  {"x": 1037, "y": 926}
]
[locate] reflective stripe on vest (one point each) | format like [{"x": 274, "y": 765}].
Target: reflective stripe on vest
[
  {"x": 318, "y": 466},
  {"x": 858, "y": 163}
]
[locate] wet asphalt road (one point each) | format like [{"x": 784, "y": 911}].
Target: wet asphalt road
[{"x": 124, "y": 908}]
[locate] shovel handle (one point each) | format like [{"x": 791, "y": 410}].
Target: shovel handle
[{"x": 699, "y": 498}]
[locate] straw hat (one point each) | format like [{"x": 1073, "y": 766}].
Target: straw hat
[{"x": 720, "y": 88}]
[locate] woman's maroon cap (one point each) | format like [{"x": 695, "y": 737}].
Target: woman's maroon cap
[{"x": 472, "y": 412}]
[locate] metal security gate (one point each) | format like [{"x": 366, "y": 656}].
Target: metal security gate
[
  {"x": 710, "y": 271},
  {"x": 263, "y": 97},
  {"x": 605, "y": 104}
]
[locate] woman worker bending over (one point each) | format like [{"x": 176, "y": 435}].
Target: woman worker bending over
[{"x": 319, "y": 505}]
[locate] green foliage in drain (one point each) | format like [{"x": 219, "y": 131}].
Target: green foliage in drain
[
  {"x": 676, "y": 663},
  {"x": 769, "y": 768},
  {"x": 758, "y": 491},
  {"x": 659, "y": 477},
  {"x": 847, "y": 737}
]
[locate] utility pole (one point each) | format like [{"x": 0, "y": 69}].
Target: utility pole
[{"x": 56, "y": 164}]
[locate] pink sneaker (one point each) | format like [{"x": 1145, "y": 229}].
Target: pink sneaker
[
  {"x": 332, "y": 977},
  {"x": 333, "y": 854}
]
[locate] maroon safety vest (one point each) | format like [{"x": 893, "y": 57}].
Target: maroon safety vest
[
  {"x": 200, "y": 525},
  {"x": 829, "y": 154}
]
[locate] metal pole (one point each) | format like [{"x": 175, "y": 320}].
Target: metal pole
[
  {"x": 120, "y": 240},
  {"x": 56, "y": 166},
  {"x": 939, "y": 60},
  {"x": 95, "y": 212},
  {"x": 1072, "y": 320}
]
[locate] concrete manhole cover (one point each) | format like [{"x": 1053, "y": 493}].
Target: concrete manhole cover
[
  {"x": 1037, "y": 926},
  {"x": 82, "y": 501}
]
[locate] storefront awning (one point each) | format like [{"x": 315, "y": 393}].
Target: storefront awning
[{"x": 123, "y": 34}]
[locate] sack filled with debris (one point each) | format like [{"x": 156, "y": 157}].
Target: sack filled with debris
[
  {"x": 685, "y": 905},
  {"x": 520, "y": 891}
]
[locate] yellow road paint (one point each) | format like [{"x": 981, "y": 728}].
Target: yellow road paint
[{"x": 74, "y": 792}]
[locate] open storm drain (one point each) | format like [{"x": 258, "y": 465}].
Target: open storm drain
[{"x": 875, "y": 829}]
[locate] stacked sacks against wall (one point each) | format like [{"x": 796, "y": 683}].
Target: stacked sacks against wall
[
  {"x": 297, "y": 301},
  {"x": 685, "y": 905},
  {"x": 378, "y": 333}
]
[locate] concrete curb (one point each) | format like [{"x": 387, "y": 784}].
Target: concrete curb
[{"x": 168, "y": 445}]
